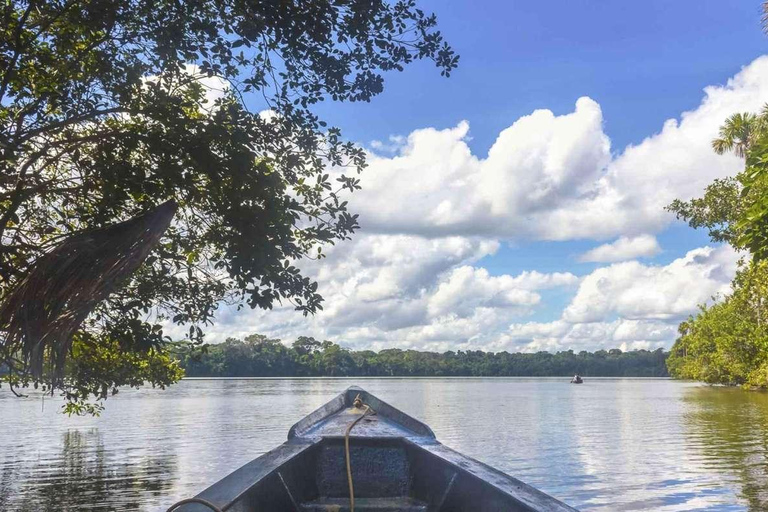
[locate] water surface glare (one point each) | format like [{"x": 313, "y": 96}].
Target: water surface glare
[{"x": 609, "y": 444}]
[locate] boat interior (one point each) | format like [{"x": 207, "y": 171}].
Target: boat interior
[
  {"x": 396, "y": 464},
  {"x": 389, "y": 475}
]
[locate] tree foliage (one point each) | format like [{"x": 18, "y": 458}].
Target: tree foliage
[
  {"x": 261, "y": 356},
  {"x": 109, "y": 108},
  {"x": 734, "y": 209},
  {"x": 718, "y": 211},
  {"x": 727, "y": 343}
]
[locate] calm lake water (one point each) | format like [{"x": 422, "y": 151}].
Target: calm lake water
[{"x": 609, "y": 444}]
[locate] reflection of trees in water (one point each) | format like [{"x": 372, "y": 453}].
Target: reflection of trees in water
[
  {"x": 730, "y": 426},
  {"x": 7, "y": 474},
  {"x": 86, "y": 475}
]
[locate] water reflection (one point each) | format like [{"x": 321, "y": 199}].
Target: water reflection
[
  {"x": 85, "y": 476},
  {"x": 729, "y": 427},
  {"x": 609, "y": 444}
]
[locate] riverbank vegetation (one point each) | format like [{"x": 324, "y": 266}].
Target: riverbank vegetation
[
  {"x": 261, "y": 356},
  {"x": 727, "y": 342}
]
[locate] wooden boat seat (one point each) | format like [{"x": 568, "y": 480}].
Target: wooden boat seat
[{"x": 396, "y": 504}]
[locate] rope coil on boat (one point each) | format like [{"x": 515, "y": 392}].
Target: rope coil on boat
[
  {"x": 194, "y": 500},
  {"x": 357, "y": 403}
]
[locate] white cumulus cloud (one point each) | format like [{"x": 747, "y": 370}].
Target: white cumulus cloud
[
  {"x": 467, "y": 288},
  {"x": 636, "y": 291},
  {"x": 630, "y": 305},
  {"x": 398, "y": 290},
  {"x": 561, "y": 335},
  {"x": 553, "y": 177},
  {"x": 624, "y": 248},
  {"x": 432, "y": 213}
]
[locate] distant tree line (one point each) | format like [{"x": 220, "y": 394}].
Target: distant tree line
[{"x": 261, "y": 356}]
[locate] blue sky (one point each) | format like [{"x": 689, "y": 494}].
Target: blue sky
[
  {"x": 519, "y": 204},
  {"x": 644, "y": 62}
]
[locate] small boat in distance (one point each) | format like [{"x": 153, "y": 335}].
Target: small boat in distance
[
  {"x": 358, "y": 453},
  {"x": 577, "y": 379}
]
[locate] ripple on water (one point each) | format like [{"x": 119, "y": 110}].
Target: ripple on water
[{"x": 610, "y": 444}]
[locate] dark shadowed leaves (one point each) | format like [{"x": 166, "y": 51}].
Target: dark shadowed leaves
[{"x": 109, "y": 108}]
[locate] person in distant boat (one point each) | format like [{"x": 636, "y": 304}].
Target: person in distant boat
[{"x": 576, "y": 379}]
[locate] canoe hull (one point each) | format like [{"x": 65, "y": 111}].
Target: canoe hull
[{"x": 397, "y": 465}]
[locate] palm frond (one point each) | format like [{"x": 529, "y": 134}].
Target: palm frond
[
  {"x": 738, "y": 133},
  {"x": 764, "y": 17},
  {"x": 44, "y": 310}
]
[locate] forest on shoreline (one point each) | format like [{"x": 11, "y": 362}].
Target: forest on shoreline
[{"x": 261, "y": 356}]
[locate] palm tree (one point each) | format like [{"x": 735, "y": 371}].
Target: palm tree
[{"x": 738, "y": 132}]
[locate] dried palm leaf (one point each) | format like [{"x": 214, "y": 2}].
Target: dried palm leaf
[
  {"x": 764, "y": 17},
  {"x": 43, "y": 312}
]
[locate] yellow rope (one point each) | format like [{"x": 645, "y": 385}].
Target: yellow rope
[
  {"x": 358, "y": 404},
  {"x": 195, "y": 500}
]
